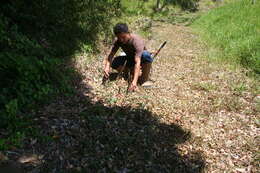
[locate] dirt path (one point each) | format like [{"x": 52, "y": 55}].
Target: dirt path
[
  {"x": 216, "y": 105},
  {"x": 199, "y": 117}
]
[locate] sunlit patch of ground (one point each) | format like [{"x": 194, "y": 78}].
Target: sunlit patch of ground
[{"x": 219, "y": 106}]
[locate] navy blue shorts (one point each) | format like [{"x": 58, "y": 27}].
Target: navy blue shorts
[{"x": 120, "y": 60}]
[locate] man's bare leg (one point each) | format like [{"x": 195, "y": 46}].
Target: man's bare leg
[
  {"x": 146, "y": 68},
  {"x": 144, "y": 75},
  {"x": 125, "y": 71}
]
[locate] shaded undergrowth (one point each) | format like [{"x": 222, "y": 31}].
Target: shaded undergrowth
[{"x": 36, "y": 41}]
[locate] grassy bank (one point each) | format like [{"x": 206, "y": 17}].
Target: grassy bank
[{"x": 233, "y": 32}]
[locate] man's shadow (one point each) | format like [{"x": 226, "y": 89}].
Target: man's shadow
[{"x": 98, "y": 137}]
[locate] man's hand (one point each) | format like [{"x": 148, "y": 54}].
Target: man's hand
[
  {"x": 107, "y": 61},
  {"x": 133, "y": 87}
]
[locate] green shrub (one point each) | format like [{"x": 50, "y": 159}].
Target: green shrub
[
  {"x": 190, "y": 5},
  {"x": 234, "y": 30},
  {"x": 36, "y": 41},
  {"x": 61, "y": 27}
]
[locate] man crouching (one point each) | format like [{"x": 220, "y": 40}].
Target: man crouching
[{"x": 137, "y": 59}]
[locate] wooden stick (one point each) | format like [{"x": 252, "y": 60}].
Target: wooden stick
[{"x": 164, "y": 43}]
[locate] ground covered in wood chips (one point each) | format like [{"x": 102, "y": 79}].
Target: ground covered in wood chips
[{"x": 199, "y": 116}]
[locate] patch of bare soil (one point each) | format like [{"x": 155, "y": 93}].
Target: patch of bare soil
[
  {"x": 197, "y": 117},
  {"x": 217, "y": 105}
]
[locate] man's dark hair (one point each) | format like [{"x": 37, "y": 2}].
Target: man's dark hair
[{"x": 120, "y": 28}]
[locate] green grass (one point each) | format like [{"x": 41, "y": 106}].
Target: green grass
[{"x": 233, "y": 32}]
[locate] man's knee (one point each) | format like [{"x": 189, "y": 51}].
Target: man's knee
[
  {"x": 118, "y": 62},
  {"x": 119, "y": 68}
]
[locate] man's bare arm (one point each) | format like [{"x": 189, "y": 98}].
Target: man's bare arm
[{"x": 108, "y": 60}]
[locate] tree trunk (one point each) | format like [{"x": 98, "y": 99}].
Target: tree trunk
[{"x": 157, "y": 4}]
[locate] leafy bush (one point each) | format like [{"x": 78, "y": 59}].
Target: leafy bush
[
  {"x": 35, "y": 38},
  {"x": 190, "y": 5},
  {"x": 148, "y": 7},
  {"x": 61, "y": 26}
]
